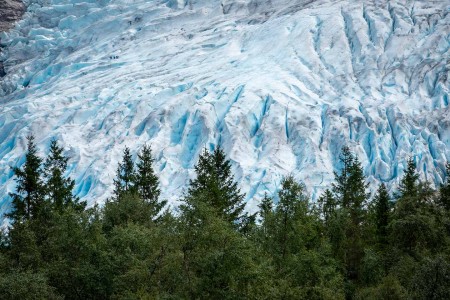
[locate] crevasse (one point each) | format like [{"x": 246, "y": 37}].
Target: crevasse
[{"x": 281, "y": 85}]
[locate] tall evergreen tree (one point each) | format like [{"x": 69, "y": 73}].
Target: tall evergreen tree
[
  {"x": 444, "y": 193},
  {"x": 59, "y": 189},
  {"x": 215, "y": 184},
  {"x": 265, "y": 207},
  {"x": 382, "y": 211},
  {"x": 350, "y": 192},
  {"x": 413, "y": 222},
  {"x": 303, "y": 267},
  {"x": 409, "y": 183},
  {"x": 292, "y": 207},
  {"x": 327, "y": 205},
  {"x": 340, "y": 188},
  {"x": 125, "y": 176},
  {"x": 29, "y": 196},
  {"x": 147, "y": 182}
]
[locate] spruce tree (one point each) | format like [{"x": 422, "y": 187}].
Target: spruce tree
[
  {"x": 340, "y": 188},
  {"x": 147, "y": 182},
  {"x": 265, "y": 207},
  {"x": 327, "y": 205},
  {"x": 358, "y": 188},
  {"x": 266, "y": 217},
  {"x": 126, "y": 176},
  {"x": 59, "y": 189},
  {"x": 444, "y": 193},
  {"x": 409, "y": 183},
  {"x": 302, "y": 265},
  {"x": 350, "y": 192},
  {"x": 382, "y": 211},
  {"x": 28, "y": 199},
  {"x": 215, "y": 184},
  {"x": 292, "y": 207},
  {"x": 413, "y": 223}
]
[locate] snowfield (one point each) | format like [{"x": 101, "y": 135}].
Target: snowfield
[{"x": 281, "y": 85}]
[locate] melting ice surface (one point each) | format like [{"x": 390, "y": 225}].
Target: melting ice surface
[{"x": 280, "y": 84}]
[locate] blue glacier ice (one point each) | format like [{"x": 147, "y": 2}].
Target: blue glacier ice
[{"x": 281, "y": 85}]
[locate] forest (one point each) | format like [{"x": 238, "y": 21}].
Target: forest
[{"x": 346, "y": 245}]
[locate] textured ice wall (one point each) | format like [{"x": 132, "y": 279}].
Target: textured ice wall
[{"x": 281, "y": 85}]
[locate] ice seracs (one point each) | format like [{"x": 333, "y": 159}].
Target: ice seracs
[{"x": 281, "y": 85}]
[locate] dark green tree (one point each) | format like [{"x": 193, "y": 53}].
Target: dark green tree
[
  {"x": 327, "y": 205},
  {"x": 28, "y": 199},
  {"x": 129, "y": 209},
  {"x": 381, "y": 204},
  {"x": 409, "y": 183},
  {"x": 217, "y": 262},
  {"x": 413, "y": 226},
  {"x": 59, "y": 189},
  {"x": 265, "y": 207},
  {"x": 78, "y": 262},
  {"x": 431, "y": 280},
  {"x": 444, "y": 193},
  {"x": 26, "y": 285},
  {"x": 340, "y": 188},
  {"x": 303, "y": 266},
  {"x": 147, "y": 182},
  {"x": 215, "y": 183},
  {"x": 125, "y": 181},
  {"x": 351, "y": 195}
]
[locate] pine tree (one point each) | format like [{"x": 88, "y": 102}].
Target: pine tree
[
  {"x": 444, "y": 193},
  {"x": 216, "y": 185},
  {"x": 293, "y": 205},
  {"x": 125, "y": 176},
  {"x": 382, "y": 211},
  {"x": 413, "y": 223},
  {"x": 358, "y": 192},
  {"x": 302, "y": 266},
  {"x": 59, "y": 190},
  {"x": 409, "y": 183},
  {"x": 350, "y": 192},
  {"x": 327, "y": 205},
  {"x": 265, "y": 207},
  {"x": 29, "y": 196},
  {"x": 147, "y": 182},
  {"x": 340, "y": 188},
  {"x": 266, "y": 214}
]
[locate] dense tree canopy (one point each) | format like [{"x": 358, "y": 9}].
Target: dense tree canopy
[{"x": 345, "y": 246}]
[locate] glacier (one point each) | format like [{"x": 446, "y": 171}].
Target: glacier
[{"x": 280, "y": 85}]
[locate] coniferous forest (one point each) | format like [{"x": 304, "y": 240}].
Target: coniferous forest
[{"x": 346, "y": 245}]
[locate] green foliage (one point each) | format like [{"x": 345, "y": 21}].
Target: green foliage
[
  {"x": 59, "y": 190},
  {"x": 409, "y": 183},
  {"x": 215, "y": 184},
  {"x": 131, "y": 249},
  {"x": 129, "y": 209},
  {"x": 18, "y": 285},
  {"x": 382, "y": 208},
  {"x": 302, "y": 262},
  {"x": 327, "y": 205},
  {"x": 415, "y": 226},
  {"x": 444, "y": 193},
  {"x": 389, "y": 288},
  {"x": 27, "y": 201},
  {"x": 217, "y": 262},
  {"x": 432, "y": 278},
  {"x": 125, "y": 181},
  {"x": 23, "y": 249},
  {"x": 349, "y": 192},
  {"x": 372, "y": 267},
  {"x": 147, "y": 182},
  {"x": 78, "y": 262}
]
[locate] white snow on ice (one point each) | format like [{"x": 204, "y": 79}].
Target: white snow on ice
[{"x": 281, "y": 85}]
